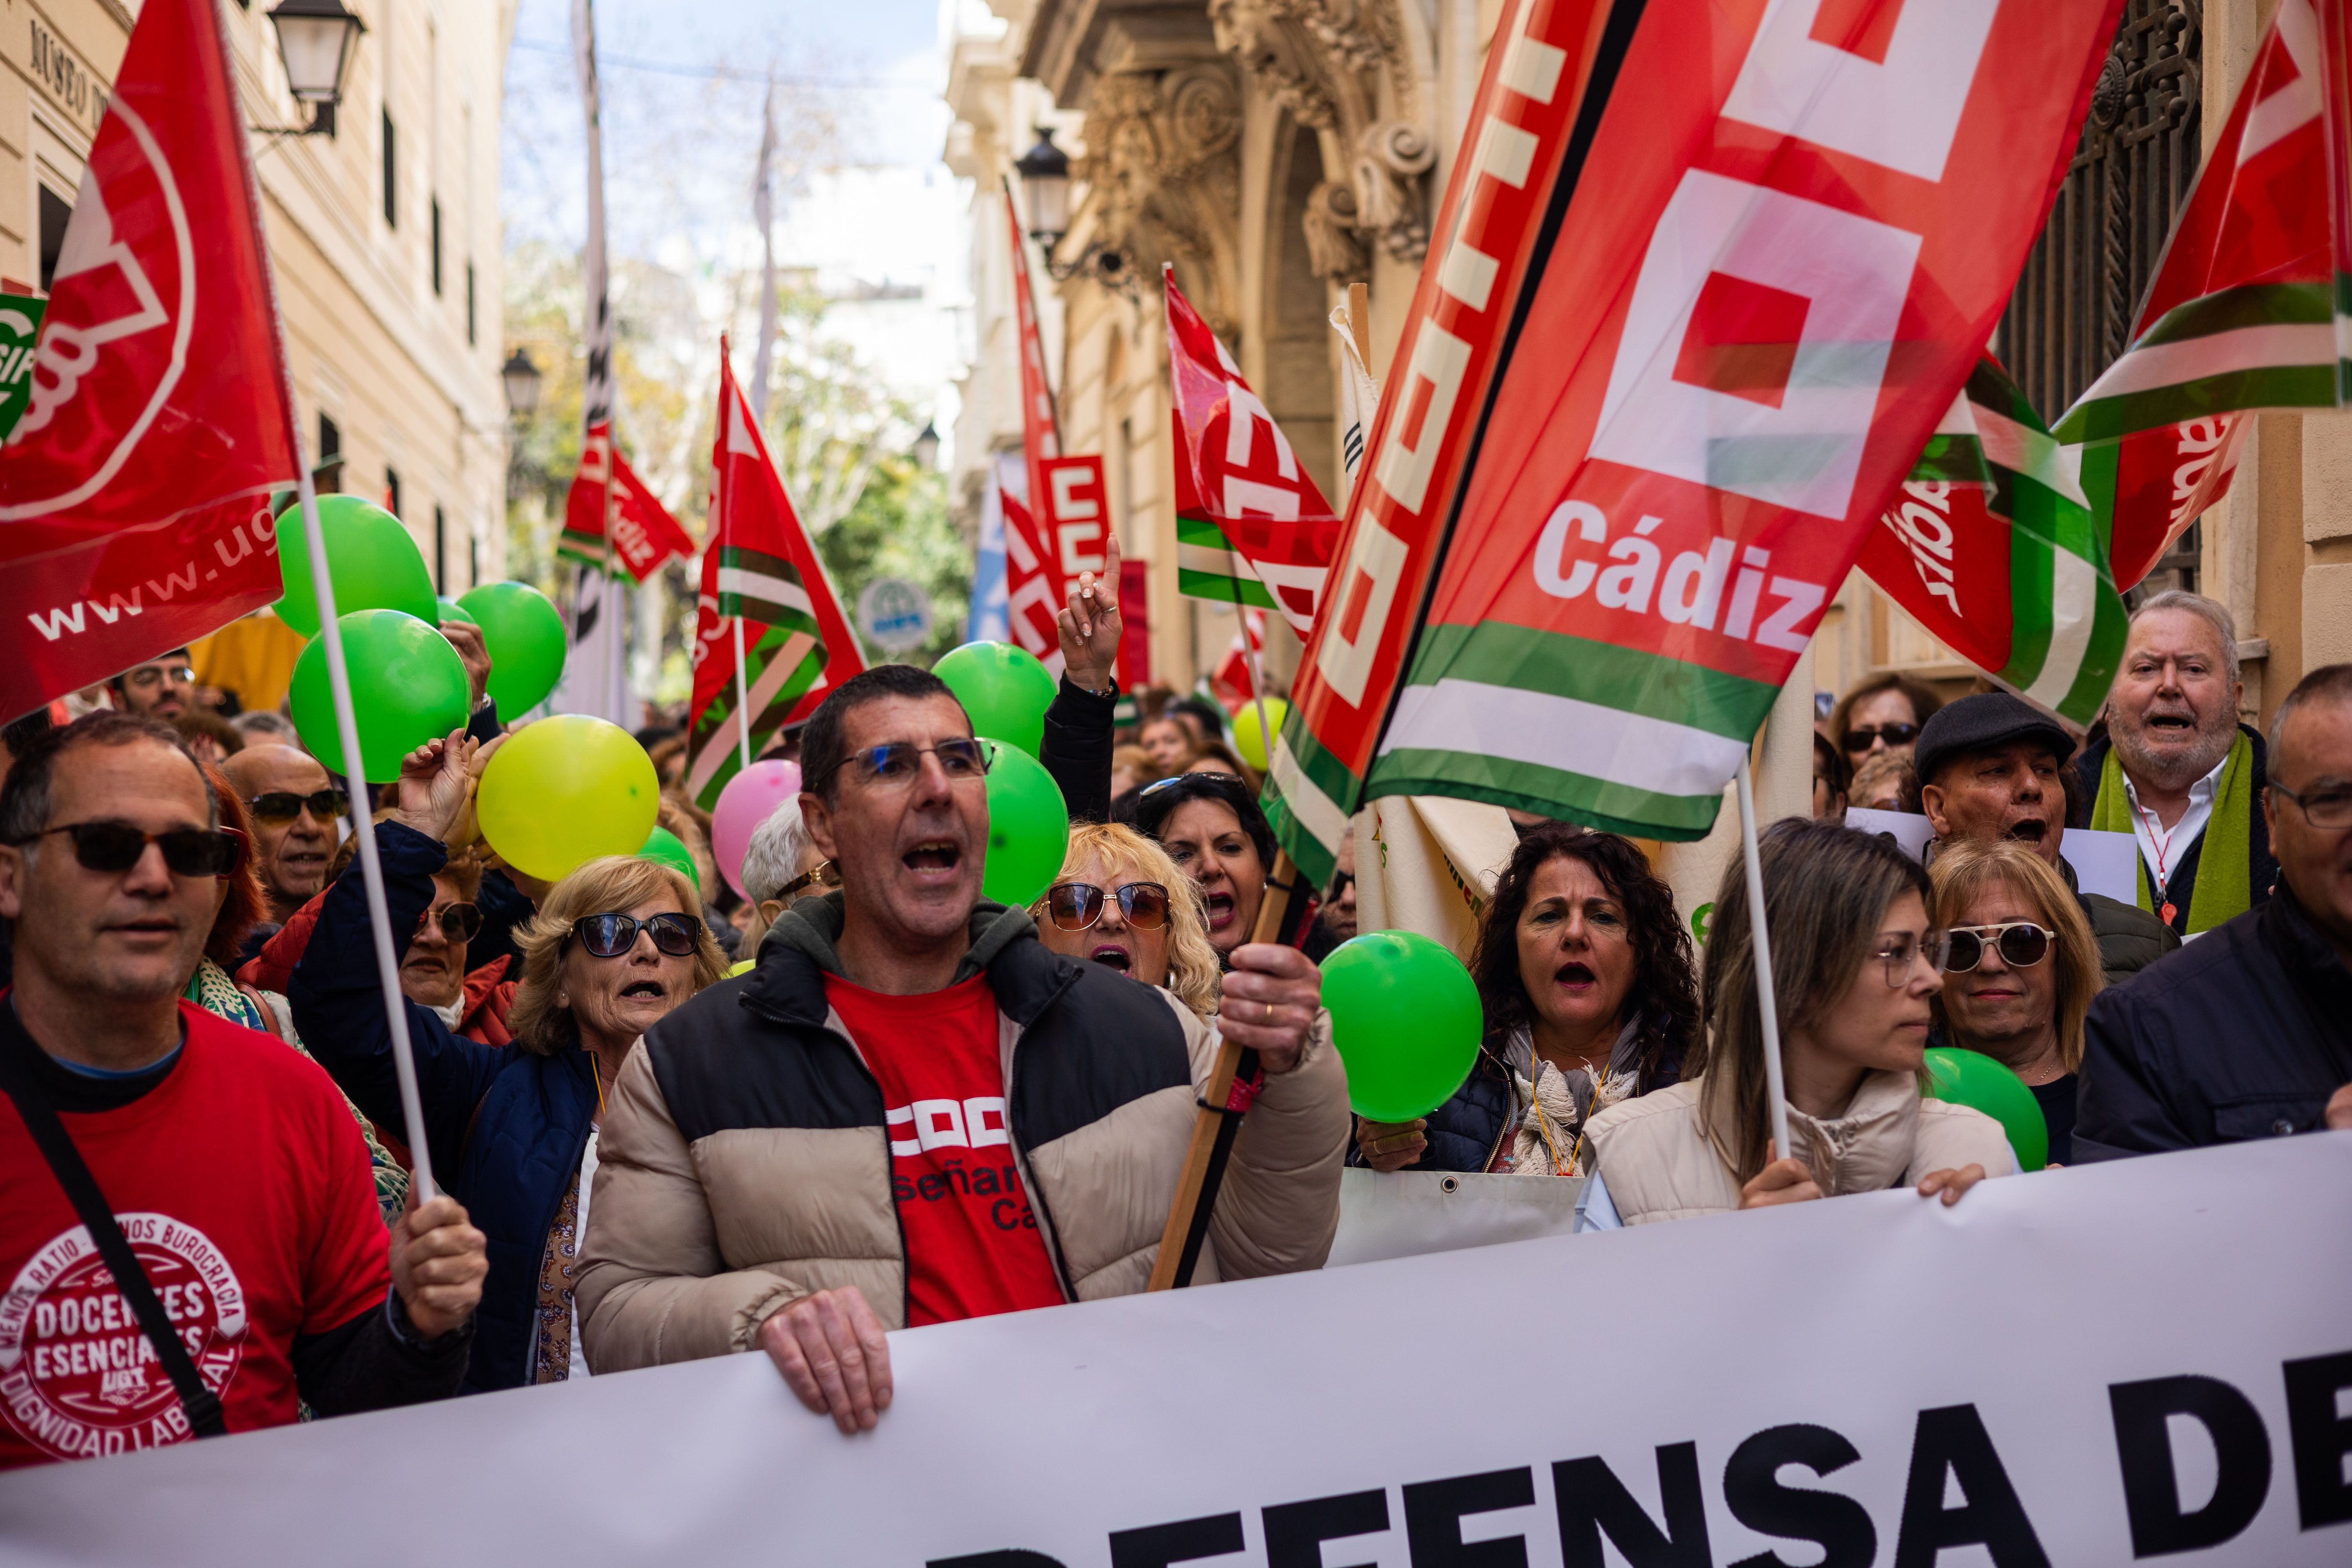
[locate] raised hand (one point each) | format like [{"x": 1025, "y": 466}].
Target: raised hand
[
  {"x": 436, "y": 787},
  {"x": 1271, "y": 1000},
  {"x": 1091, "y": 626}
]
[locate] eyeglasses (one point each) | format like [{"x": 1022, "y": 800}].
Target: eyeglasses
[
  {"x": 284, "y": 805},
  {"x": 1075, "y": 906},
  {"x": 1900, "y": 954},
  {"x": 459, "y": 923},
  {"x": 825, "y": 873},
  {"x": 2022, "y": 945},
  {"x": 897, "y": 762},
  {"x": 1859, "y": 738},
  {"x": 1174, "y": 780},
  {"x": 611, "y": 935},
  {"x": 2321, "y": 808},
  {"x": 117, "y": 846},
  {"x": 153, "y": 675}
]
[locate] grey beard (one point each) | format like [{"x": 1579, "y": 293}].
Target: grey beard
[{"x": 2172, "y": 777}]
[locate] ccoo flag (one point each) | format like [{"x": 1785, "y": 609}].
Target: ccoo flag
[
  {"x": 758, "y": 565},
  {"x": 135, "y": 490},
  {"x": 1575, "y": 578},
  {"x": 1993, "y": 546},
  {"x": 2249, "y": 307}
]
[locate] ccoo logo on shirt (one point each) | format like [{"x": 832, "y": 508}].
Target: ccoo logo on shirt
[{"x": 974, "y": 1123}]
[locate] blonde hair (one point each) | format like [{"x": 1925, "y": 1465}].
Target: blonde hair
[
  {"x": 1967, "y": 868},
  {"x": 1193, "y": 969},
  {"x": 615, "y": 882}
]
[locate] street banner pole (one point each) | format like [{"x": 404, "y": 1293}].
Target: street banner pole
[{"x": 1767, "y": 1002}]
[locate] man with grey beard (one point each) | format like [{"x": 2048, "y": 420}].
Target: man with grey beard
[{"x": 2178, "y": 772}]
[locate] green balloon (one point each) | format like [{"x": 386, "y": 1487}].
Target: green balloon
[
  {"x": 451, "y": 610},
  {"x": 523, "y": 634},
  {"x": 1405, "y": 1019},
  {"x": 1004, "y": 689},
  {"x": 408, "y": 687},
  {"x": 375, "y": 563},
  {"x": 1973, "y": 1078},
  {"x": 663, "y": 847},
  {"x": 1028, "y": 828}
]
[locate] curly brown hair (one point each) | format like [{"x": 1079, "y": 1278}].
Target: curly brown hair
[{"x": 1665, "y": 988}]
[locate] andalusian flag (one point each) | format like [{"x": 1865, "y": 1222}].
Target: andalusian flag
[
  {"x": 759, "y": 570},
  {"x": 1993, "y": 546},
  {"x": 2251, "y": 306},
  {"x": 1251, "y": 528},
  {"x": 1672, "y": 350}
]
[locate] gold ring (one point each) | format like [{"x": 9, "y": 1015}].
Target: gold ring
[{"x": 1269, "y": 1011}]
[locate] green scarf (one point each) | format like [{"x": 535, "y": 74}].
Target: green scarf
[{"x": 2225, "y": 869}]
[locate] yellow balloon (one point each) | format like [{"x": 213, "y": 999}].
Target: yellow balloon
[
  {"x": 1247, "y": 741},
  {"x": 564, "y": 791}
]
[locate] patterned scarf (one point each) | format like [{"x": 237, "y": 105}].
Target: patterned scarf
[{"x": 558, "y": 1266}]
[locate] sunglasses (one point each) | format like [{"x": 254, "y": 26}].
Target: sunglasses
[
  {"x": 459, "y": 923},
  {"x": 898, "y": 763},
  {"x": 284, "y": 805},
  {"x": 1174, "y": 779},
  {"x": 2022, "y": 945},
  {"x": 1859, "y": 738},
  {"x": 116, "y": 847},
  {"x": 611, "y": 935},
  {"x": 1075, "y": 906},
  {"x": 824, "y": 874}
]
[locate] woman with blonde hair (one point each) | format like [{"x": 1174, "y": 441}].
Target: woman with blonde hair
[
  {"x": 2023, "y": 970},
  {"x": 1121, "y": 902},
  {"x": 615, "y": 947},
  {"x": 1856, "y": 963}
]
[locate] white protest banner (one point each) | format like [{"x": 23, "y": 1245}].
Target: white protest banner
[{"x": 2079, "y": 1366}]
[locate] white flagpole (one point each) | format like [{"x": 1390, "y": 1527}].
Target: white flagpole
[
  {"x": 1767, "y": 999},
  {"x": 347, "y": 731},
  {"x": 742, "y": 700}
]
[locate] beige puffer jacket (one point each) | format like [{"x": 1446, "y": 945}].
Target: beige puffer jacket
[
  {"x": 744, "y": 1162},
  {"x": 1658, "y": 1162}
]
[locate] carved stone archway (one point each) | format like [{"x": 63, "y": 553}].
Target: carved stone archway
[{"x": 1163, "y": 183}]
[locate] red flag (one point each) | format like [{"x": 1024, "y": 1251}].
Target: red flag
[
  {"x": 1040, "y": 437},
  {"x": 134, "y": 493},
  {"x": 1236, "y": 678},
  {"x": 1235, "y": 469},
  {"x": 1033, "y": 588},
  {"x": 1135, "y": 611},
  {"x": 760, "y": 567},
  {"x": 588, "y": 504},
  {"x": 645, "y": 535}
]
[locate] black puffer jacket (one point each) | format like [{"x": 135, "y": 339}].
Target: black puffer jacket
[{"x": 2242, "y": 1034}]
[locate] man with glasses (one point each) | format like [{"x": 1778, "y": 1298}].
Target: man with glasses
[
  {"x": 912, "y": 1113},
  {"x": 186, "y": 1212},
  {"x": 294, "y": 805},
  {"x": 1990, "y": 768},
  {"x": 159, "y": 688},
  {"x": 2247, "y": 1032}
]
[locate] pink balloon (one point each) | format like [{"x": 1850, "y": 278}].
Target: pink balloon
[{"x": 747, "y": 801}]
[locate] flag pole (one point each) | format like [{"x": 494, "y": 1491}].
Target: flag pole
[
  {"x": 743, "y": 701},
  {"x": 1767, "y": 999},
  {"x": 347, "y": 733}
]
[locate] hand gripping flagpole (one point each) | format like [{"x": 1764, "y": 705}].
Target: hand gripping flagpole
[
  {"x": 347, "y": 731},
  {"x": 1766, "y": 1001}
]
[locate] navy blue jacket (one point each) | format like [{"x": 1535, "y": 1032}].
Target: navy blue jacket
[
  {"x": 506, "y": 1126},
  {"x": 2243, "y": 1033}
]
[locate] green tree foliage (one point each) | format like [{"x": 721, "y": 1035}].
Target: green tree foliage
[{"x": 900, "y": 527}]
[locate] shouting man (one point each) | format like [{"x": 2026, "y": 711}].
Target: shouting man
[
  {"x": 912, "y": 1113},
  {"x": 294, "y": 806},
  {"x": 2178, "y": 772}
]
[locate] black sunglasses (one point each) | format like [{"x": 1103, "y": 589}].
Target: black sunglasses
[
  {"x": 1859, "y": 738},
  {"x": 459, "y": 923},
  {"x": 116, "y": 847},
  {"x": 611, "y": 935},
  {"x": 1075, "y": 906},
  {"x": 2021, "y": 944},
  {"x": 284, "y": 805}
]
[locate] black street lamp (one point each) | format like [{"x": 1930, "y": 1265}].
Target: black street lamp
[
  {"x": 1044, "y": 172},
  {"x": 315, "y": 40},
  {"x": 522, "y": 381},
  {"x": 927, "y": 446}
]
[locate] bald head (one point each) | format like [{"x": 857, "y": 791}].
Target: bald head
[{"x": 291, "y": 847}]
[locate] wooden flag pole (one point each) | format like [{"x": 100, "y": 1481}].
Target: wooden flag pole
[
  {"x": 1767, "y": 1000},
  {"x": 1215, "y": 1125}
]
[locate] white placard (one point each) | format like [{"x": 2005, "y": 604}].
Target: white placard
[
  {"x": 2104, "y": 862},
  {"x": 1412, "y": 1213},
  {"x": 1933, "y": 1375},
  {"x": 1908, "y": 828}
]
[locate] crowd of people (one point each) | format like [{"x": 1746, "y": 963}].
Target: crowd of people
[{"x": 667, "y": 1123}]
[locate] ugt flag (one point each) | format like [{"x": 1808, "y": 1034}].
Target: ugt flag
[
  {"x": 1993, "y": 546},
  {"x": 2249, "y": 306},
  {"x": 758, "y": 566},
  {"x": 134, "y": 491},
  {"x": 1614, "y": 481}
]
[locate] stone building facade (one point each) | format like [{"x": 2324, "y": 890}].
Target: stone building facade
[
  {"x": 1275, "y": 151},
  {"x": 383, "y": 237}
]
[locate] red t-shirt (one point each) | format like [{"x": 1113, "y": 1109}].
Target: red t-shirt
[
  {"x": 243, "y": 1186},
  {"x": 972, "y": 1246}
]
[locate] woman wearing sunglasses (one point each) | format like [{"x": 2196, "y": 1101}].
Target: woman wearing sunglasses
[
  {"x": 2022, "y": 971},
  {"x": 1121, "y": 902},
  {"x": 1856, "y": 963},
  {"x": 616, "y": 946},
  {"x": 1210, "y": 825},
  {"x": 1881, "y": 714}
]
